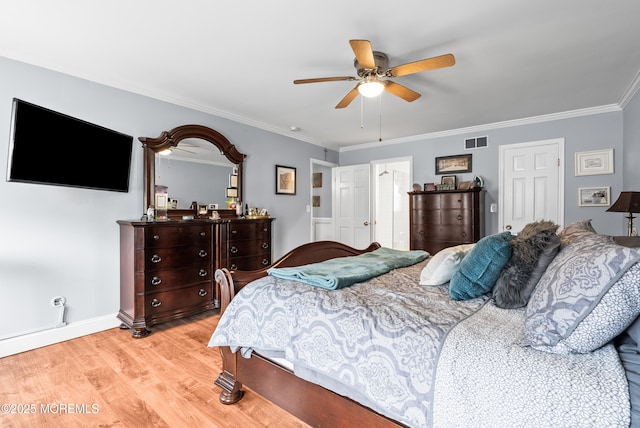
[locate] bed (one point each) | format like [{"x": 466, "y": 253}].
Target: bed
[{"x": 392, "y": 351}]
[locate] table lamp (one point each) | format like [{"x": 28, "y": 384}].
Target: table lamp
[{"x": 628, "y": 202}]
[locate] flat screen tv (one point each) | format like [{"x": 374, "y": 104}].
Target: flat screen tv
[{"x": 52, "y": 148}]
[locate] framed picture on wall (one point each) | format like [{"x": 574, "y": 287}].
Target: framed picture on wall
[
  {"x": 594, "y": 196},
  {"x": 317, "y": 179},
  {"x": 594, "y": 162},
  {"x": 285, "y": 180},
  {"x": 451, "y": 164}
]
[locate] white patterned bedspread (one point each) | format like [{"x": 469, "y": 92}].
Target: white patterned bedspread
[
  {"x": 485, "y": 379},
  {"x": 379, "y": 343}
]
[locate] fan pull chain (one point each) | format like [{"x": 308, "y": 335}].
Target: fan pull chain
[
  {"x": 361, "y": 112},
  {"x": 380, "y": 119}
]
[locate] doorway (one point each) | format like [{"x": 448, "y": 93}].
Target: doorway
[{"x": 391, "y": 181}]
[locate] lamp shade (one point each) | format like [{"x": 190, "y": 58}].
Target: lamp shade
[{"x": 627, "y": 202}]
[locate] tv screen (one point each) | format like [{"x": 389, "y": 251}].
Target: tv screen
[{"x": 48, "y": 147}]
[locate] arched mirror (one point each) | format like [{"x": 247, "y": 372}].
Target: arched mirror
[{"x": 190, "y": 152}]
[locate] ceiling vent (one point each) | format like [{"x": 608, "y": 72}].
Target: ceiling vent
[{"x": 476, "y": 143}]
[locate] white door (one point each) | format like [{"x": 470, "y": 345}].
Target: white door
[
  {"x": 391, "y": 181},
  {"x": 531, "y": 183},
  {"x": 352, "y": 206}
]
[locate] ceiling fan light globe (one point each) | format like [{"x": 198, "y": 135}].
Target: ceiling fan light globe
[
  {"x": 165, "y": 152},
  {"x": 371, "y": 89}
]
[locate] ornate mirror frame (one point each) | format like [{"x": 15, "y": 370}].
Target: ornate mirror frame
[{"x": 170, "y": 139}]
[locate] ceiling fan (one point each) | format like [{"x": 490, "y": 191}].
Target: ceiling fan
[{"x": 372, "y": 67}]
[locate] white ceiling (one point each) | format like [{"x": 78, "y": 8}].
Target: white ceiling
[{"x": 238, "y": 59}]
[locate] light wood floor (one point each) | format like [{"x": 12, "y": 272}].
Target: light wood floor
[{"x": 108, "y": 379}]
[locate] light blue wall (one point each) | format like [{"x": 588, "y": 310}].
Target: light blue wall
[
  {"x": 595, "y": 131},
  {"x": 58, "y": 241},
  {"x": 632, "y": 145}
]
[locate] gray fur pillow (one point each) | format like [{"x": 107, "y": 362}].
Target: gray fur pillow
[{"x": 532, "y": 251}]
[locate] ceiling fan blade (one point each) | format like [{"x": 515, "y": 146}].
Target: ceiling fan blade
[
  {"x": 324, "y": 79},
  {"x": 400, "y": 91},
  {"x": 348, "y": 98},
  {"x": 364, "y": 53},
  {"x": 422, "y": 65}
]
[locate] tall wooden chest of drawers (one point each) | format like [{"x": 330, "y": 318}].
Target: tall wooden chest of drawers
[
  {"x": 167, "y": 268},
  {"x": 441, "y": 219}
]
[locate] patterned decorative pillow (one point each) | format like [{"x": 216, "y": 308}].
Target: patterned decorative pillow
[
  {"x": 441, "y": 266},
  {"x": 575, "y": 231},
  {"x": 588, "y": 295},
  {"x": 479, "y": 270},
  {"x": 533, "y": 248}
]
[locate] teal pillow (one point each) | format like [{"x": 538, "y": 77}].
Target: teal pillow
[{"x": 480, "y": 269}]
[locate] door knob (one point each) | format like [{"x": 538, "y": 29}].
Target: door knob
[
  {"x": 508, "y": 227},
  {"x": 366, "y": 223}
]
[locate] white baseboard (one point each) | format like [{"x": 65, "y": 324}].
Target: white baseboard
[{"x": 27, "y": 342}]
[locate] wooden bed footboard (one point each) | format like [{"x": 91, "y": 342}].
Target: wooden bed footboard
[{"x": 313, "y": 404}]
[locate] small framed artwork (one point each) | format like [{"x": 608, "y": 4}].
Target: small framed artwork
[
  {"x": 316, "y": 201},
  {"x": 594, "y": 196},
  {"x": 450, "y": 164},
  {"x": 464, "y": 185},
  {"x": 317, "y": 179},
  {"x": 594, "y": 162},
  {"x": 232, "y": 192},
  {"x": 449, "y": 180},
  {"x": 429, "y": 187},
  {"x": 285, "y": 180},
  {"x": 233, "y": 180},
  {"x": 161, "y": 201}
]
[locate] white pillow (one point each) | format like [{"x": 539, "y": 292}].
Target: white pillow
[{"x": 441, "y": 266}]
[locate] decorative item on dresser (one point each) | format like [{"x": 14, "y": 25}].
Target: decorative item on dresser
[{"x": 441, "y": 219}]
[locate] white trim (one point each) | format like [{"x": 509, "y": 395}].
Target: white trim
[
  {"x": 490, "y": 126},
  {"x": 27, "y": 342}
]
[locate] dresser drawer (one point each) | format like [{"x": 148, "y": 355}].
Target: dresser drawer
[
  {"x": 165, "y": 279},
  {"x": 254, "y": 262},
  {"x": 167, "y": 258},
  {"x": 248, "y": 248},
  {"x": 162, "y": 236},
  {"x": 456, "y": 217},
  {"x": 456, "y": 201},
  {"x": 249, "y": 230},
  {"x": 184, "y": 299},
  {"x": 459, "y": 234}
]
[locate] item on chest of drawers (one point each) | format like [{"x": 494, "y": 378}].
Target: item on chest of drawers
[{"x": 215, "y": 215}]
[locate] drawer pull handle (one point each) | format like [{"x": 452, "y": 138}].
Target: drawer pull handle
[
  {"x": 265, "y": 230},
  {"x": 234, "y": 232},
  {"x": 459, "y": 217},
  {"x": 265, "y": 245},
  {"x": 203, "y": 234},
  {"x": 421, "y": 232},
  {"x": 202, "y": 272},
  {"x": 202, "y": 253},
  {"x": 234, "y": 267},
  {"x": 155, "y": 303},
  {"x": 233, "y": 250},
  {"x": 156, "y": 281},
  {"x": 156, "y": 258},
  {"x": 156, "y": 237},
  {"x": 463, "y": 234},
  {"x": 202, "y": 292},
  {"x": 265, "y": 262}
]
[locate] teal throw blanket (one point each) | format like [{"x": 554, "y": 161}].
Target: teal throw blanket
[{"x": 342, "y": 272}]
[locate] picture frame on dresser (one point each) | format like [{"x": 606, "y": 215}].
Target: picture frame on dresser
[{"x": 450, "y": 180}]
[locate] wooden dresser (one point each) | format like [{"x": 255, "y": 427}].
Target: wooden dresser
[
  {"x": 166, "y": 268},
  {"x": 441, "y": 219}
]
